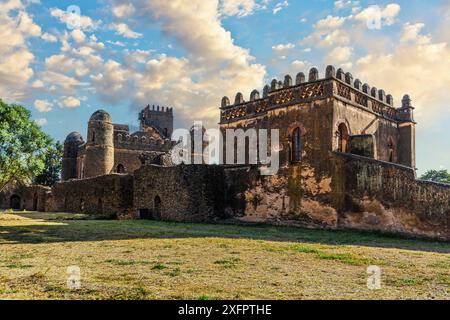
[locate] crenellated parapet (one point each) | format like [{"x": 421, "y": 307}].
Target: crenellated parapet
[
  {"x": 336, "y": 83},
  {"x": 138, "y": 142}
]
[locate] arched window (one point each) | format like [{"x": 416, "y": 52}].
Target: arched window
[
  {"x": 93, "y": 136},
  {"x": 14, "y": 202},
  {"x": 343, "y": 138},
  {"x": 296, "y": 145},
  {"x": 120, "y": 168},
  {"x": 165, "y": 132}
]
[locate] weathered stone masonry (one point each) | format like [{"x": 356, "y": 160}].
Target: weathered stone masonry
[{"x": 347, "y": 160}]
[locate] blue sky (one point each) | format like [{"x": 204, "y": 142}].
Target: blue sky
[{"x": 188, "y": 54}]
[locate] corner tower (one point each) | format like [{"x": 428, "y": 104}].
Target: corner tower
[
  {"x": 158, "y": 118},
  {"x": 100, "y": 145},
  {"x": 69, "y": 160}
]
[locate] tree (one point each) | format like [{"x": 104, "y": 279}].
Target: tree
[
  {"x": 436, "y": 176},
  {"x": 23, "y": 145},
  {"x": 52, "y": 170}
]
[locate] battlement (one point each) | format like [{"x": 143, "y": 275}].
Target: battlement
[
  {"x": 136, "y": 142},
  {"x": 337, "y": 84},
  {"x": 158, "y": 117}
]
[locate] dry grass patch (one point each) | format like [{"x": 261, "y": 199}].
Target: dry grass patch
[{"x": 167, "y": 260}]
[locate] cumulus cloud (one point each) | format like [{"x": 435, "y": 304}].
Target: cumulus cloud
[
  {"x": 213, "y": 66},
  {"x": 283, "y": 48},
  {"x": 47, "y": 37},
  {"x": 340, "y": 54},
  {"x": 377, "y": 16},
  {"x": 280, "y": 6},
  {"x": 70, "y": 102},
  {"x": 85, "y": 23},
  {"x": 124, "y": 30},
  {"x": 15, "y": 54},
  {"x": 123, "y": 10},
  {"x": 239, "y": 8},
  {"x": 415, "y": 67},
  {"x": 41, "y": 122},
  {"x": 43, "y": 105}
]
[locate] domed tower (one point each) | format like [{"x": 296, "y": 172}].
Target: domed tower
[
  {"x": 69, "y": 160},
  {"x": 99, "y": 145}
]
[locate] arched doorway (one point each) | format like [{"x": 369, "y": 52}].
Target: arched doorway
[
  {"x": 120, "y": 168},
  {"x": 157, "y": 208},
  {"x": 35, "y": 202},
  {"x": 14, "y": 202},
  {"x": 343, "y": 138}
]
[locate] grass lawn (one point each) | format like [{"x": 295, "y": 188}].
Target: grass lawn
[{"x": 165, "y": 260}]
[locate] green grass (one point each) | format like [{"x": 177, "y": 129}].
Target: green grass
[{"x": 139, "y": 259}]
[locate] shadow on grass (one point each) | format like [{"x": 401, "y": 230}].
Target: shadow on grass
[{"x": 52, "y": 228}]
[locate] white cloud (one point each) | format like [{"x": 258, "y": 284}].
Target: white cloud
[
  {"x": 340, "y": 55},
  {"x": 124, "y": 30},
  {"x": 283, "y": 48},
  {"x": 123, "y": 10},
  {"x": 379, "y": 16},
  {"x": 419, "y": 69},
  {"x": 78, "y": 35},
  {"x": 86, "y": 23},
  {"x": 43, "y": 105},
  {"x": 15, "y": 55},
  {"x": 41, "y": 122},
  {"x": 70, "y": 102},
  {"x": 299, "y": 64},
  {"x": 330, "y": 22},
  {"x": 280, "y": 6},
  {"x": 239, "y": 8},
  {"x": 47, "y": 37},
  {"x": 213, "y": 65},
  {"x": 411, "y": 33}
]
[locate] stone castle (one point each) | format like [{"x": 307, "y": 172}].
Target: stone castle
[{"x": 347, "y": 160}]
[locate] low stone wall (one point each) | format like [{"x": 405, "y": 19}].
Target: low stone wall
[
  {"x": 110, "y": 194},
  {"x": 376, "y": 195},
  {"x": 32, "y": 198},
  {"x": 181, "y": 193}
]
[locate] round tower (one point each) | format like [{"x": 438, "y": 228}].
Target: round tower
[
  {"x": 69, "y": 161},
  {"x": 99, "y": 145}
]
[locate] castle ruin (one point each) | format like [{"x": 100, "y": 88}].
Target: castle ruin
[{"x": 346, "y": 155}]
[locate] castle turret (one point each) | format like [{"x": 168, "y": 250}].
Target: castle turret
[
  {"x": 100, "y": 145},
  {"x": 159, "y": 118},
  {"x": 407, "y": 133},
  {"x": 69, "y": 160}
]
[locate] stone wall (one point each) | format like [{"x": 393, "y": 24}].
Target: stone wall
[
  {"x": 110, "y": 195},
  {"x": 375, "y": 195},
  {"x": 32, "y": 198},
  {"x": 181, "y": 193}
]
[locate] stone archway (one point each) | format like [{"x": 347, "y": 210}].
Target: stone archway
[{"x": 14, "y": 202}]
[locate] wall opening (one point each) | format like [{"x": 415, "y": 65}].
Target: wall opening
[
  {"x": 81, "y": 205},
  {"x": 343, "y": 136},
  {"x": 144, "y": 214},
  {"x": 35, "y": 201},
  {"x": 157, "y": 208},
  {"x": 14, "y": 202},
  {"x": 120, "y": 168},
  {"x": 391, "y": 150},
  {"x": 100, "y": 206},
  {"x": 296, "y": 143}
]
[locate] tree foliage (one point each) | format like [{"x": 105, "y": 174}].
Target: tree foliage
[
  {"x": 52, "y": 169},
  {"x": 436, "y": 176},
  {"x": 23, "y": 145}
]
